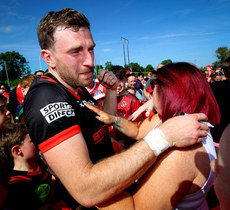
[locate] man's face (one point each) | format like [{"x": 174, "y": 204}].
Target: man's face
[
  {"x": 73, "y": 54},
  {"x": 5, "y": 117},
  {"x": 131, "y": 82}
]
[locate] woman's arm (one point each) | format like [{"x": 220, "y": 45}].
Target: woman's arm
[{"x": 134, "y": 130}]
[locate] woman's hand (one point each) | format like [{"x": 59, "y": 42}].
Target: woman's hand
[
  {"x": 146, "y": 107},
  {"x": 102, "y": 116}
]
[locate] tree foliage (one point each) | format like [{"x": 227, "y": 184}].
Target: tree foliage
[
  {"x": 108, "y": 65},
  {"x": 222, "y": 53},
  {"x": 15, "y": 64},
  {"x": 136, "y": 67},
  {"x": 149, "y": 68},
  {"x": 165, "y": 62}
]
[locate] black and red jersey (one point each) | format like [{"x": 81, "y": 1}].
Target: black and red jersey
[
  {"x": 54, "y": 113},
  {"x": 28, "y": 189}
]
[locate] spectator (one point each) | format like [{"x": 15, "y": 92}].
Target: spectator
[
  {"x": 5, "y": 120},
  {"x": 131, "y": 83},
  {"x": 221, "y": 91},
  {"x": 221, "y": 167},
  {"x": 60, "y": 125},
  {"x": 97, "y": 90},
  {"x": 25, "y": 84},
  {"x": 147, "y": 89},
  {"x": 127, "y": 103},
  {"x": 216, "y": 76},
  {"x": 5, "y": 115},
  {"x": 29, "y": 183},
  {"x": 209, "y": 72},
  {"x": 39, "y": 73},
  {"x": 5, "y": 90}
]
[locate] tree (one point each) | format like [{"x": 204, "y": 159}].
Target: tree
[
  {"x": 222, "y": 53},
  {"x": 15, "y": 64},
  {"x": 149, "y": 68},
  {"x": 165, "y": 62},
  {"x": 136, "y": 67},
  {"x": 108, "y": 65},
  {"x": 127, "y": 67},
  {"x": 98, "y": 68}
]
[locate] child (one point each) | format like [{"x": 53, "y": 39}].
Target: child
[
  {"x": 29, "y": 183},
  {"x": 25, "y": 84}
]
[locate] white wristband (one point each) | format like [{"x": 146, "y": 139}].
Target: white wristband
[{"x": 157, "y": 141}]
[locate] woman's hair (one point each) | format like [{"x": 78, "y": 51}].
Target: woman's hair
[{"x": 183, "y": 88}]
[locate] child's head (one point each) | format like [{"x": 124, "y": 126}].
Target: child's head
[
  {"x": 26, "y": 82},
  {"x": 15, "y": 142}
]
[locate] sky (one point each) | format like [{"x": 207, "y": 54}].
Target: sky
[{"x": 179, "y": 30}]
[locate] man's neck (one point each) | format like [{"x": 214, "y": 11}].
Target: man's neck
[{"x": 54, "y": 73}]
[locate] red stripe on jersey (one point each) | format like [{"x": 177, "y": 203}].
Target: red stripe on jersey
[
  {"x": 19, "y": 178},
  {"x": 36, "y": 172},
  {"x": 47, "y": 79},
  {"x": 59, "y": 138}
]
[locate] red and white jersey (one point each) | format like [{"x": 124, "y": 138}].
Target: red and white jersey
[{"x": 97, "y": 91}]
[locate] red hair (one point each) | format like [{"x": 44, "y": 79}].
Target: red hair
[{"x": 183, "y": 88}]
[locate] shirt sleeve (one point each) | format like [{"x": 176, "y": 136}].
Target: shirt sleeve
[{"x": 50, "y": 116}]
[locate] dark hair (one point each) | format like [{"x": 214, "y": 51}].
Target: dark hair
[
  {"x": 69, "y": 18},
  {"x": 13, "y": 134},
  {"x": 140, "y": 74},
  {"x": 118, "y": 71},
  {"x": 226, "y": 67},
  {"x": 3, "y": 98},
  {"x": 7, "y": 88},
  {"x": 35, "y": 73},
  {"x": 130, "y": 74},
  {"x": 183, "y": 88}
]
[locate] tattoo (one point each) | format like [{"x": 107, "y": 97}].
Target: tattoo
[{"x": 117, "y": 122}]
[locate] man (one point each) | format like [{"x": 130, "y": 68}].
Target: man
[
  {"x": 221, "y": 167},
  {"x": 209, "y": 72},
  {"x": 126, "y": 103},
  {"x": 147, "y": 90},
  {"x": 69, "y": 135},
  {"x": 221, "y": 91}
]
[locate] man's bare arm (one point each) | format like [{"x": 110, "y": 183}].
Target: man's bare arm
[
  {"x": 91, "y": 184},
  {"x": 109, "y": 80}
]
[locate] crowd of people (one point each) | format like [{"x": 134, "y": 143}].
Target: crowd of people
[{"x": 68, "y": 141}]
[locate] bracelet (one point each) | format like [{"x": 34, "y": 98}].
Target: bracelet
[{"x": 157, "y": 141}]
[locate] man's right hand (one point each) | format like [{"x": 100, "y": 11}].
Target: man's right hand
[{"x": 183, "y": 131}]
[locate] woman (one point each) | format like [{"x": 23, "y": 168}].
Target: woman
[{"x": 180, "y": 178}]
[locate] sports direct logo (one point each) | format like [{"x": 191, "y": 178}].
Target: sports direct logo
[{"x": 54, "y": 111}]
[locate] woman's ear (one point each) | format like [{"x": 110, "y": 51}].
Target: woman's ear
[
  {"x": 48, "y": 58},
  {"x": 16, "y": 151}
]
